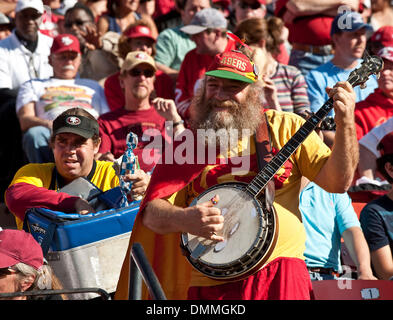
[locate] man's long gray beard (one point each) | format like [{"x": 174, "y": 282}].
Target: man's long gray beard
[{"x": 229, "y": 126}]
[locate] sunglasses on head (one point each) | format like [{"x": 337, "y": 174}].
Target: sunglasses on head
[
  {"x": 255, "y": 5},
  {"x": 148, "y": 73},
  {"x": 6, "y": 271}
]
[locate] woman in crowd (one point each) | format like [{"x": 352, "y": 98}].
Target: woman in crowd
[{"x": 284, "y": 86}]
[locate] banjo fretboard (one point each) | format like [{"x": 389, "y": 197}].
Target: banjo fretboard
[{"x": 371, "y": 65}]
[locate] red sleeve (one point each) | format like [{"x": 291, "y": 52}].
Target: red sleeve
[
  {"x": 360, "y": 124},
  {"x": 191, "y": 71},
  {"x": 164, "y": 85},
  {"x": 280, "y": 8},
  {"x": 113, "y": 92},
  {"x": 182, "y": 94},
  {"x": 106, "y": 143},
  {"x": 283, "y": 56},
  {"x": 170, "y": 177},
  {"x": 22, "y": 196}
]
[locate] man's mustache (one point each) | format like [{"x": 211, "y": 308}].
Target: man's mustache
[
  {"x": 216, "y": 104},
  {"x": 68, "y": 67}
]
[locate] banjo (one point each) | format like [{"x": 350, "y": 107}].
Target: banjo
[{"x": 250, "y": 220}]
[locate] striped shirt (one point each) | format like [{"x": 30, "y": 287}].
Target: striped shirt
[{"x": 291, "y": 89}]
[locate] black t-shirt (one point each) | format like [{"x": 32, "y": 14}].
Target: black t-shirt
[{"x": 376, "y": 220}]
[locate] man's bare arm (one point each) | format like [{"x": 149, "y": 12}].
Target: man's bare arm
[
  {"x": 367, "y": 163},
  {"x": 311, "y": 7},
  {"x": 202, "y": 220},
  {"x": 359, "y": 252},
  {"x": 27, "y": 118},
  {"x": 382, "y": 262},
  {"x": 337, "y": 174},
  {"x": 169, "y": 71}
]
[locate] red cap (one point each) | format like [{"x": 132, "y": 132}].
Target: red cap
[
  {"x": 65, "y": 42},
  {"x": 384, "y": 36},
  {"x": 233, "y": 65},
  {"x": 385, "y": 146},
  {"x": 139, "y": 32},
  {"x": 19, "y": 246}
]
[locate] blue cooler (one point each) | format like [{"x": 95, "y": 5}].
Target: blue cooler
[{"x": 84, "y": 250}]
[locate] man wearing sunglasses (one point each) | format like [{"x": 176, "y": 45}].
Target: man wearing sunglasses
[
  {"x": 140, "y": 115},
  {"x": 98, "y": 60}
]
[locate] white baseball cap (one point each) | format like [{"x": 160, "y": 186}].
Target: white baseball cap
[{"x": 35, "y": 4}]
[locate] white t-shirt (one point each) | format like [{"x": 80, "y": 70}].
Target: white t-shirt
[
  {"x": 54, "y": 96},
  {"x": 373, "y": 137},
  {"x": 18, "y": 64}
]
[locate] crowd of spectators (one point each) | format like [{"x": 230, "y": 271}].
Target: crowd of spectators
[{"x": 134, "y": 64}]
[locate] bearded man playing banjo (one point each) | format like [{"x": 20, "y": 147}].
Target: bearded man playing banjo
[{"x": 194, "y": 246}]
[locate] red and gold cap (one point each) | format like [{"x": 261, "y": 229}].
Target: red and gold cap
[{"x": 233, "y": 65}]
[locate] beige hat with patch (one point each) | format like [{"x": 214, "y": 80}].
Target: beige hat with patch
[{"x": 136, "y": 58}]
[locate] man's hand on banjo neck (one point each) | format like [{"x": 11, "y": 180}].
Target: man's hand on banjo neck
[{"x": 337, "y": 173}]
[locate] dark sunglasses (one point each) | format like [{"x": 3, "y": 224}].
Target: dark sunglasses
[
  {"x": 79, "y": 23},
  {"x": 6, "y": 271},
  {"x": 254, "y": 5},
  {"x": 27, "y": 15},
  {"x": 148, "y": 73}
]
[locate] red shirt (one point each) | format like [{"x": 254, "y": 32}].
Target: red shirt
[
  {"x": 163, "y": 86},
  {"x": 115, "y": 125},
  {"x": 283, "y": 56},
  {"x": 192, "y": 69},
  {"x": 311, "y": 30},
  {"x": 163, "y": 7},
  {"x": 371, "y": 112}
]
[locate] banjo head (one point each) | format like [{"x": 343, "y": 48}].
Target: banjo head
[{"x": 248, "y": 231}]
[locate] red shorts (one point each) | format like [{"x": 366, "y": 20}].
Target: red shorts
[{"x": 281, "y": 279}]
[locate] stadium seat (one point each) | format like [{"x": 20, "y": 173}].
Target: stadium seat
[{"x": 353, "y": 289}]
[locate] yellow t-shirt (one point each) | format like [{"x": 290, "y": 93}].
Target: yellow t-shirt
[
  {"x": 40, "y": 175},
  {"x": 306, "y": 161}
]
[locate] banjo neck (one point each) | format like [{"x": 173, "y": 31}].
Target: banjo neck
[
  {"x": 260, "y": 181},
  {"x": 371, "y": 65}
]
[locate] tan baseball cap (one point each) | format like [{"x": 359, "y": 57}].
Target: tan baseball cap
[{"x": 135, "y": 58}]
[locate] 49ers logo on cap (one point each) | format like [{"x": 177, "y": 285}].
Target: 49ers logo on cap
[
  {"x": 66, "y": 40},
  {"x": 141, "y": 56},
  {"x": 233, "y": 65},
  {"x": 235, "y": 62},
  {"x": 74, "y": 121}
]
